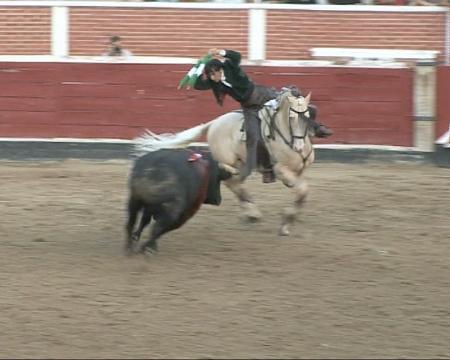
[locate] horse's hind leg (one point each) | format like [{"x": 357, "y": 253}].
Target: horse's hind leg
[
  {"x": 250, "y": 210},
  {"x": 290, "y": 213},
  {"x": 232, "y": 170}
]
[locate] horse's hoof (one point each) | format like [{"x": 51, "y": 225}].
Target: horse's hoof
[
  {"x": 252, "y": 219},
  {"x": 284, "y": 231},
  {"x": 232, "y": 170},
  {"x": 251, "y": 213}
]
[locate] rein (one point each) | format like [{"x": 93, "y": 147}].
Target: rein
[{"x": 272, "y": 126}]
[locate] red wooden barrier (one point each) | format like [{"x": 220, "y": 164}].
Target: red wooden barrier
[
  {"x": 443, "y": 97},
  {"x": 102, "y": 100}
]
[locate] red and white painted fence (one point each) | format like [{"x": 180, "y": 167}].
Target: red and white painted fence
[{"x": 55, "y": 84}]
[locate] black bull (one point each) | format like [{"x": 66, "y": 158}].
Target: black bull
[{"x": 169, "y": 186}]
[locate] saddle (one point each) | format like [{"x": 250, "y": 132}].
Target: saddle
[
  {"x": 262, "y": 115},
  {"x": 267, "y": 114}
]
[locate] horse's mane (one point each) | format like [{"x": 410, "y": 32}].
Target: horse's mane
[{"x": 283, "y": 97}]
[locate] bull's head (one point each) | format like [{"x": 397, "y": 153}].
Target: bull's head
[{"x": 216, "y": 175}]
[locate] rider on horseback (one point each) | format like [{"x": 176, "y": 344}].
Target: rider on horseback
[{"x": 224, "y": 76}]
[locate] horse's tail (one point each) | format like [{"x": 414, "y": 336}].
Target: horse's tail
[{"x": 150, "y": 141}]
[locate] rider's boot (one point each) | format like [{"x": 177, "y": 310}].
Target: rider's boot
[
  {"x": 268, "y": 175},
  {"x": 320, "y": 130}
]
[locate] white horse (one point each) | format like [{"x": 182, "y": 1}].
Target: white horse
[{"x": 286, "y": 132}]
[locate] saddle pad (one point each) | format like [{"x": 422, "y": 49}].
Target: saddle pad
[{"x": 272, "y": 103}]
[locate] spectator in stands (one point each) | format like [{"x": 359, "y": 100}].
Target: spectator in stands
[{"x": 116, "y": 49}]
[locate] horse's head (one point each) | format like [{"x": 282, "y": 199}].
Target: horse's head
[{"x": 299, "y": 119}]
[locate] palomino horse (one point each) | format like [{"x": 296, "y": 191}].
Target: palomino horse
[{"x": 286, "y": 131}]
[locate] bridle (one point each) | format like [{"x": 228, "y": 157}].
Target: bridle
[
  {"x": 273, "y": 128},
  {"x": 301, "y": 115}
]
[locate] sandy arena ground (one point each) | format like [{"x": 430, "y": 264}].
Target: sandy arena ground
[{"x": 365, "y": 273}]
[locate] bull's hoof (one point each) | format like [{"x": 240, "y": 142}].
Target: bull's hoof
[
  {"x": 284, "y": 231},
  {"x": 129, "y": 249},
  {"x": 136, "y": 236},
  {"x": 150, "y": 252},
  {"x": 149, "y": 249}
]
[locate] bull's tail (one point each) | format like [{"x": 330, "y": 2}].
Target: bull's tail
[{"x": 150, "y": 141}]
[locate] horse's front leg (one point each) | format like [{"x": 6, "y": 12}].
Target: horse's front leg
[
  {"x": 287, "y": 177},
  {"x": 300, "y": 188},
  {"x": 250, "y": 210}
]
